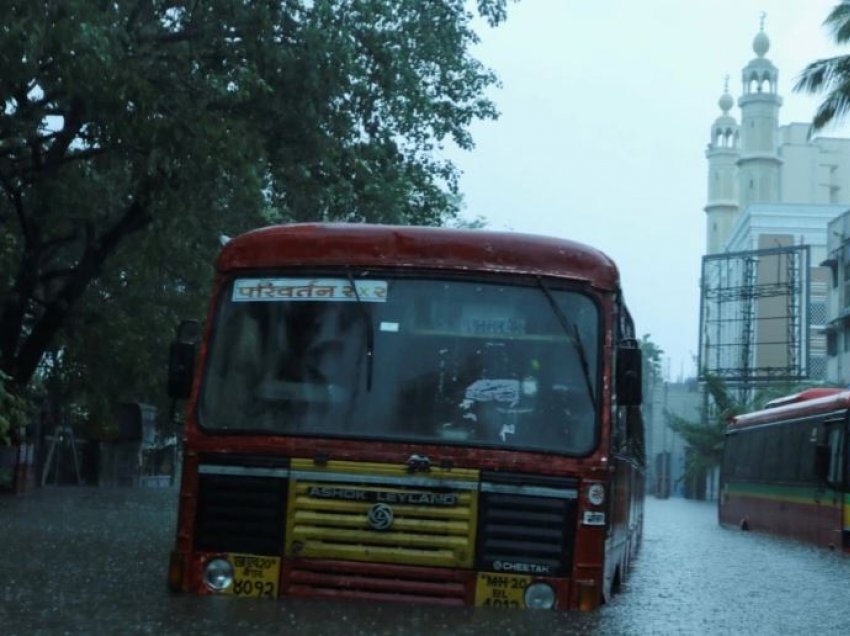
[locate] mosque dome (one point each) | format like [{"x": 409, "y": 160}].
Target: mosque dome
[{"x": 761, "y": 43}]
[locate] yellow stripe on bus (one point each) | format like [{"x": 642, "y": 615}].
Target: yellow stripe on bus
[
  {"x": 369, "y": 537},
  {"x": 334, "y": 524},
  {"x": 358, "y": 521}
]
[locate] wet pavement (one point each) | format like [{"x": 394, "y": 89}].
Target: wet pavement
[{"x": 93, "y": 561}]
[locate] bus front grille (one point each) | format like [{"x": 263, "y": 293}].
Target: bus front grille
[
  {"x": 526, "y": 524},
  {"x": 371, "y": 521},
  {"x": 240, "y": 509},
  {"x": 313, "y": 578}
]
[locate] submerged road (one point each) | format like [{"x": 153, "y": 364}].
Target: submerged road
[{"x": 93, "y": 561}]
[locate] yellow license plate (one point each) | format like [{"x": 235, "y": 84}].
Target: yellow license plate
[
  {"x": 255, "y": 576},
  {"x": 501, "y": 590}
]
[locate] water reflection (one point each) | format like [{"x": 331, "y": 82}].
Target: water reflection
[{"x": 82, "y": 560}]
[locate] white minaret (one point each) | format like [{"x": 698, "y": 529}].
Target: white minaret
[
  {"x": 759, "y": 163},
  {"x": 722, "y": 154}
]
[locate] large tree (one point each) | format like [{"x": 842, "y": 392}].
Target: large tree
[
  {"x": 133, "y": 132},
  {"x": 831, "y": 75}
]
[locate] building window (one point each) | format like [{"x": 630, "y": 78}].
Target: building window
[
  {"x": 831, "y": 343},
  {"x": 817, "y": 368},
  {"x": 817, "y": 313},
  {"x": 844, "y": 265}
]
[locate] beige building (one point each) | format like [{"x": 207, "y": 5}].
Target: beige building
[
  {"x": 771, "y": 188},
  {"x": 838, "y": 306}
]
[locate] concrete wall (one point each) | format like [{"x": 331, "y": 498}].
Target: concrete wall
[{"x": 666, "y": 449}]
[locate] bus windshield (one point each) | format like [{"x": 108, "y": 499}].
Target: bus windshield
[{"x": 405, "y": 359}]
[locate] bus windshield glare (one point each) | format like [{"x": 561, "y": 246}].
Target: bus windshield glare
[{"x": 405, "y": 359}]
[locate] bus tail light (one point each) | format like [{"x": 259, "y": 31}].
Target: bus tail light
[
  {"x": 175, "y": 571},
  {"x": 588, "y": 595}
]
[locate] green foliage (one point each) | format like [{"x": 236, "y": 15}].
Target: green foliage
[
  {"x": 15, "y": 411},
  {"x": 651, "y": 372},
  {"x": 705, "y": 439},
  {"x": 132, "y": 134},
  {"x": 830, "y": 75},
  {"x": 477, "y": 223}
]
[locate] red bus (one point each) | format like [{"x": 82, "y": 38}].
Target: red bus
[
  {"x": 408, "y": 413},
  {"x": 784, "y": 469}
]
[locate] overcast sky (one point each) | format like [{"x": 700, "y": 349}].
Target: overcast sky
[{"x": 606, "y": 107}]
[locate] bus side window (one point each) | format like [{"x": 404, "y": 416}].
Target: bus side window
[
  {"x": 828, "y": 461},
  {"x": 619, "y": 439},
  {"x": 731, "y": 456},
  {"x": 635, "y": 433},
  {"x": 836, "y": 464}
]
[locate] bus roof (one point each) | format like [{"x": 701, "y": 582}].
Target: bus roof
[
  {"x": 363, "y": 245},
  {"x": 802, "y": 396},
  {"x": 811, "y": 402}
]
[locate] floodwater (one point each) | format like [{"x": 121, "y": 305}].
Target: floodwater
[{"x": 93, "y": 561}]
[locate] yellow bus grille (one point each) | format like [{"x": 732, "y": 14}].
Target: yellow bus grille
[{"x": 348, "y": 512}]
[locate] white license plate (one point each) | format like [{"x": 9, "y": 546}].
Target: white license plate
[{"x": 593, "y": 518}]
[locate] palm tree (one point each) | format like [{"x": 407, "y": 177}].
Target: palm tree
[{"x": 830, "y": 75}]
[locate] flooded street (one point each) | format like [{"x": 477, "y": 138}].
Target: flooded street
[{"x": 93, "y": 561}]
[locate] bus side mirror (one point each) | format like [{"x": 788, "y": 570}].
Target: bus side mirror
[
  {"x": 181, "y": 360},
  {"x": 629, "y": 374},
  {"x": 181, "y": 368},
  {"x": 822, "y": 462}
]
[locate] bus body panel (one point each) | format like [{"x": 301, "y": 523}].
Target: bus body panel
[
  {"x": 454, "y": 522},
  {"x": 769, "y": 479},
  {"x": 411, "y": 247},
  {"x": 797, "y": 512}
]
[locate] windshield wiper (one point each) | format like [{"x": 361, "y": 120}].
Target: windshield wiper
[
  {"x": 574, "y": 337},
  {"x": 370, "y": 330}
]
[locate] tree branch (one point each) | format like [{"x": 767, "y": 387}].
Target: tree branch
[
  {"x": 46, "y": 277},
  {"x": 73, "y": 124},
  {"x": 135, "y": 217},
  {"x": 13, "y": 309},
  {"x": 16, "y": 199}
]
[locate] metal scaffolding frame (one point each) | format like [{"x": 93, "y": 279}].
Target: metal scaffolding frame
[{"x": 752, "y": 303}]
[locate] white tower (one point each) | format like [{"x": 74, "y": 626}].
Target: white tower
[
  {"x": 723, "y": 155},
  {"x": 759, "y": 163}
]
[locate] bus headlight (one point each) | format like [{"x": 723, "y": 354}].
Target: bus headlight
[
  {"x": 539, "y": 596},
  {"x": 596, "y": 494},
  {"x": 218, "y": 575}
]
